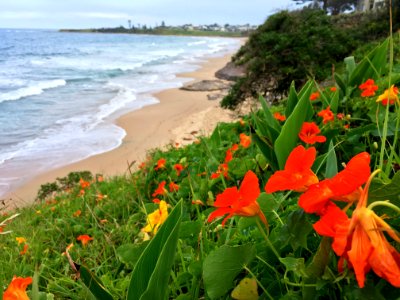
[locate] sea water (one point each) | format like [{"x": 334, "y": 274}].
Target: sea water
[{"x": 60, "y": 92}]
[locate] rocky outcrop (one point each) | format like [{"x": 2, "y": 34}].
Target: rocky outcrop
[
  {"x": 207, "y": 86},
  {"x": 231, "y": 72}
]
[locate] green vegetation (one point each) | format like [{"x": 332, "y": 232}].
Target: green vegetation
[
  {"x": 294, "y": 215},
  {"x": 160, "y": 31},
  {"x": 295, "y": 46}
]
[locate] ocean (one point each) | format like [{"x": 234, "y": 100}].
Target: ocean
[{"x": 60, "y": 92}]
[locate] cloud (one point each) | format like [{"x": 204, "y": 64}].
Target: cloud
[
  {"x": 102, "y": 15},
  {"x": 20, "y": 15}
]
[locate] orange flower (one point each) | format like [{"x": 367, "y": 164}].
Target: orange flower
[
  {"x": 229, "y": 153},
  {"x": 314, "y": 96},
  {"x": 279, "y": 116},
  {"x": 178, "y": 168},
  {"x": 389, "y": 96},
  {"x": 327, "y": 115},
  {"x": 242, "y": 202},
  {"x": 173, "y": 187},
  {"x": 241, "y": 122},
  {"x": 197, "y": 202},
  {"x": 222, "y": 169},
  {"x": 245, "y": 140},
  {"x": 24, "y": 250},
  {"x": 100, "y": 197},
  {"x": 84, "y": 239},
  {"x": 20, "y": 240},
  {"x": 84, "y": 184},
  {"x": 368, "y": 88},
  {"x": 156, "y": 218},
  {"x": 99, "y": 178},
  {"x": 142, "y": 165},
  {"x": 333, "y": 89},
  {"x": 1, "y": 229},
  {"x": 157, "y": 201},
  {"x": 160, "y": 164},
  {"x": 77, "y": 213},
  {"x": 297, "y": 175},
  {"x": 160, "y": 189},
  {"x": 343, "y": 186},
  {"x": 361, "y": 240},
  {"x": 17, "y": 289},
  {"x": 309, "y": 133}
]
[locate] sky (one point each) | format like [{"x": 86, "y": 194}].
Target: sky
[{"x": 112, "y": 13}]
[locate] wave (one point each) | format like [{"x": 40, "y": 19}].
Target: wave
[{"x": 32, "y": 90}]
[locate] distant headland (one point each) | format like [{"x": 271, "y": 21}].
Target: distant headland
[{"x": 226, "y": 30}]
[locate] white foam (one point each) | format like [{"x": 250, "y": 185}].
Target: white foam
[{"x": 32, "y": 90}]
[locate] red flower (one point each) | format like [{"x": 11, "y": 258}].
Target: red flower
[
  {"x": 278, "y": 116},
  {"x": 173, "y": 187},
  {"x": 327, "y": 115},
  {"x": 242, "y": 202},
  {"x": 361, "y": 240},
  {"x": 343, "y": 186},
  {"x": 333, "y": 89},
  {"x": 314, "y": 96},
  {"x": 245, "y": 140},
  {"x": 84, "y": 184},
  {"x": 160, "y": 189},
  {"x": 178, "y": 168},
  {"x": 309, "y": 133},
  {"x": 84, "y": 239},
  {"x": 368, "y": 88},
  {"x": 222, "y": 169},
  {"x": 297, "y": 175},
  {"x": 160, "y": 164},
  {"x": 229, "y": 153},
  {"x": 17, "y": 289}
]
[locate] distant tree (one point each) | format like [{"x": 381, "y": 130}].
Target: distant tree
[
  {"x": 162, "y": 24},
  {"x": 332, "y": 6}
]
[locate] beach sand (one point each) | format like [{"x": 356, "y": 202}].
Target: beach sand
[{"x": 171, "y": 121}]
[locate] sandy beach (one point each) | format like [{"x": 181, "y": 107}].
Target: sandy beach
[{"x": 171, "y": 121}]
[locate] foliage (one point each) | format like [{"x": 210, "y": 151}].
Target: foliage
[{"x": 294, "y": 46}]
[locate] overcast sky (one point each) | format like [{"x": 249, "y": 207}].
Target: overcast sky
[{"x": 112, "y": 13}]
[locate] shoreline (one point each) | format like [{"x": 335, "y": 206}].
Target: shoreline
[{"x": 177, "y": 114}]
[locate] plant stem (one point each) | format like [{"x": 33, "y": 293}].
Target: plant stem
[
  {"x": 267, "y": 240},
  {"x": 259, "y": 283},
  {"x": 384, "y": 203}
]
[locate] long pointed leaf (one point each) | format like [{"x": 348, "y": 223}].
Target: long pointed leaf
[
  {"x": 292, "y": 101},
  {"x": 152, "y": 271},
  {"x": 94, "y": 284},
  {"x": 288, "y": 137}
]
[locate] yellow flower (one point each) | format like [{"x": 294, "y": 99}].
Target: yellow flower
[
  {"x": 156, "y": 218},
  {"x": 20, "y": 240},
  {"x": 389, "y": 96}
]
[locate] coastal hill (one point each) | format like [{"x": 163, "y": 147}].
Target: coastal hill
[{"x": 226, "y": 30}]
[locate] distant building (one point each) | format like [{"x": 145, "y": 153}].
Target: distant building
[{"x": 367, "y": 5}]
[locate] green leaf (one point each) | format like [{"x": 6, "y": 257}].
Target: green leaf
[
  {"x": 291, "y": 101},
  {"x": 296, "y": 229},
  {"x": 350, "y": 64},
  {"x": 288, "y": 137},
  {"x": 331, "y": 162},
  {"x": 340, "y": 82},
  {"x": 130, "y": 253},
  {"x": 93, "y": 283},
  {"x": 371, "y": 66},
  {"x": 151, "y": 273},
  {"x": 296, "y": 265},
  {"x": 381, "y": 192},
  {"x": 334, "y": 104},
  {"x": 221, "y": 267},
  {"x": 240, "y": 166},
  {"x": 269, "y": 118},
  {"x": 266, "y": 150}
]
